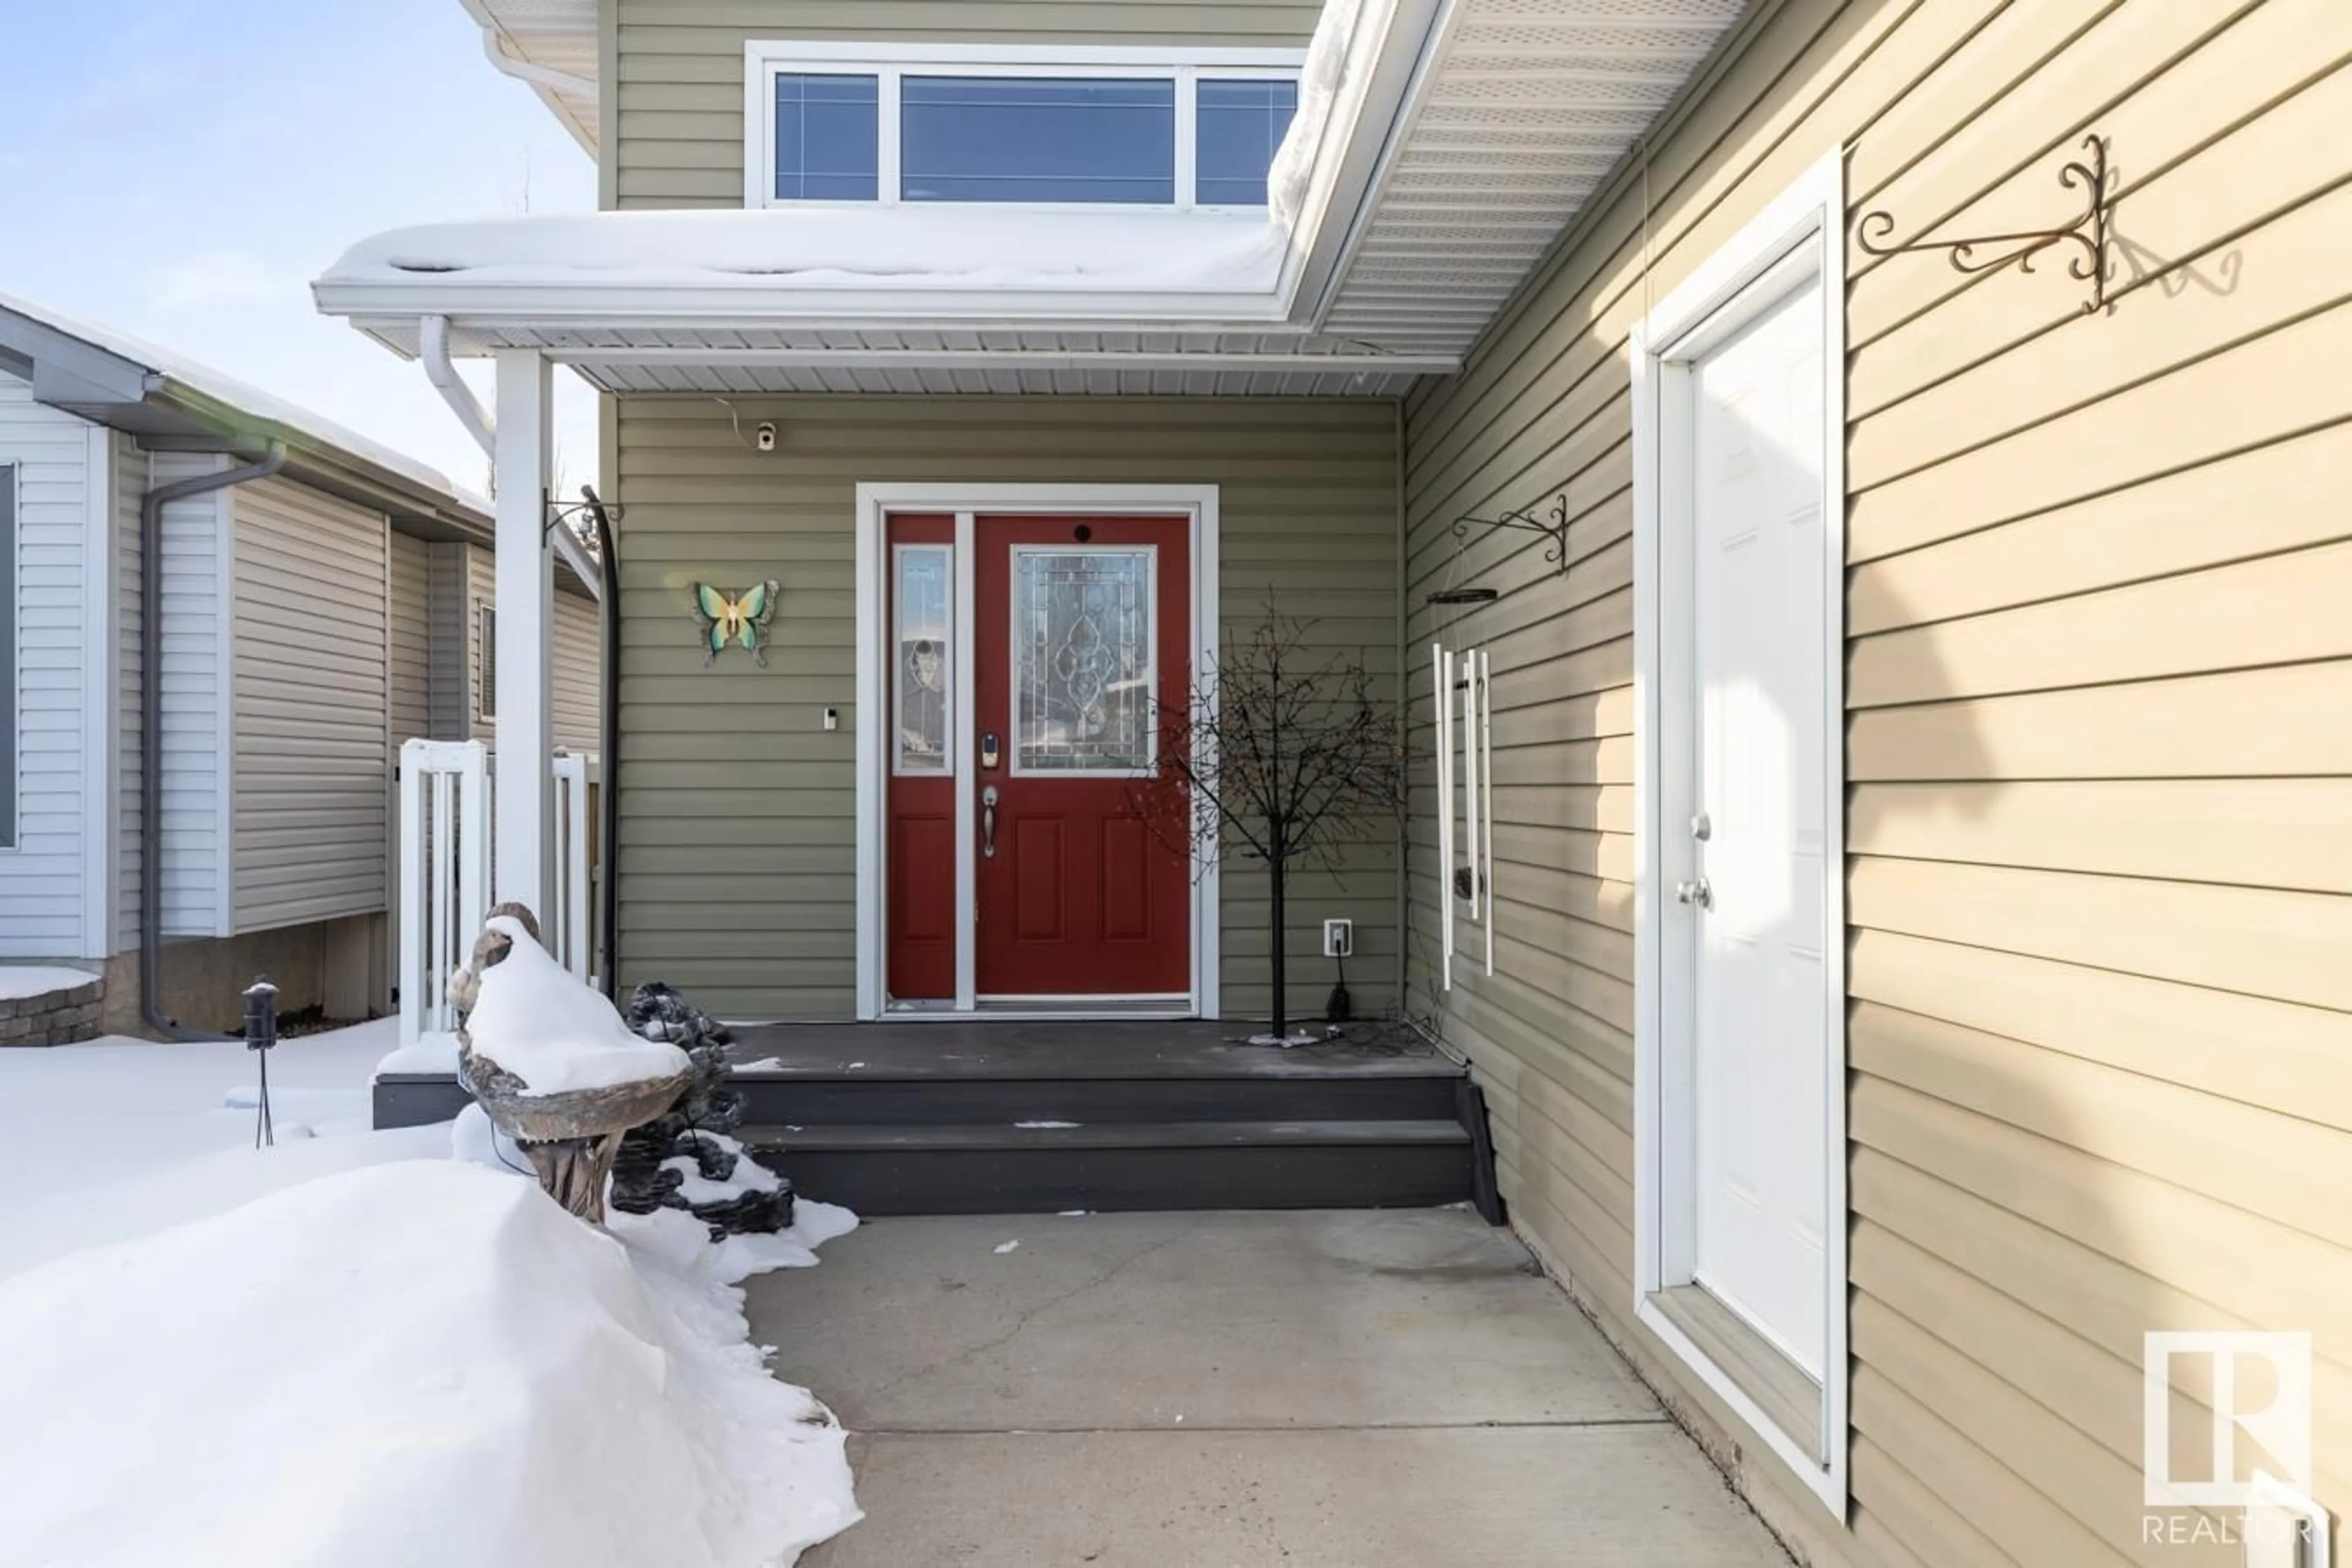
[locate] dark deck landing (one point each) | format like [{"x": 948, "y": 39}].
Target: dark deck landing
[{"x": 1058, "y": 1048}]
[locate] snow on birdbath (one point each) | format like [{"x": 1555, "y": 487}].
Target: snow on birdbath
[{"x": 554, "y": 1064}]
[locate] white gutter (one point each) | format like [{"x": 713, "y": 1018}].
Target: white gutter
[
  {"x": 432, "y": 348},
  {"x": 535, "y": 74},
  {"x": 1010, "y": 359}
]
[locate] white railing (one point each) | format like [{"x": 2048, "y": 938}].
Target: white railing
[
  {"x": 444, "y": 883},
  {"x": 443, "y": 863},
  {"x": 570, "y": 925}
]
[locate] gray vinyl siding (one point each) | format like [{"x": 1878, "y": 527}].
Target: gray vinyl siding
[
  {"x": 311, "y": 723},
  {"x": 449, "y": 644},
  {"x": 574, "y": 684},
  {"x": 2099, "y": 1020},
  {"x": 197, "y": 678},
  {"x": 410, "y": 650},
  {"x": 737, "y": 857},
  {"x": 676, "y": 139},
  {"x": 54, "y": 480},
  {"x": 130, "y": 483}
]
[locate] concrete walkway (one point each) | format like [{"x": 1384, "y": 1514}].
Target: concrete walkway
[{"x": 1351, "y": 1389}]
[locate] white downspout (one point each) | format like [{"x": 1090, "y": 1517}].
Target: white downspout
[{"x": 433, "y": 349}]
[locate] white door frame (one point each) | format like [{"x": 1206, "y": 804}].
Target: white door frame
[
  {"x": 1800, "y": 234},
  {"x": 876, "y": 502}
]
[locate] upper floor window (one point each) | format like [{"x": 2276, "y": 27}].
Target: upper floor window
[{"x": 1069, "y": 127}]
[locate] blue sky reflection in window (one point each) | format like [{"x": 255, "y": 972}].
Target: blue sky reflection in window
[
  {"x": 827, "y": 137},
  {"x": 1037, "y": 138},
  {"x": 1240, "y": 127}
]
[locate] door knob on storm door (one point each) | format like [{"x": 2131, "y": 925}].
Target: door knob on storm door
[{"x": 1695, "y": 892}]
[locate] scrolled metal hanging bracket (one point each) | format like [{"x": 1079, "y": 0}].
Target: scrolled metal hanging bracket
[
  {"x": 1554, "y": 529},
  {"x": 2090, "y": 265}
]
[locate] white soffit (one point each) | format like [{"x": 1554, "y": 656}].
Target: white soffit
[
  {"x": 552, "y": 44},
  {"x": 1527, "y": 106}
]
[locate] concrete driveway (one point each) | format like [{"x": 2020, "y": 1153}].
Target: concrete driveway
[{"x": 1346, "y": 1388}]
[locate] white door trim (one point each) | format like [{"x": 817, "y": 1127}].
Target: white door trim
[
  {"x": 876, "y": 501},
  {"x": 1801, "y": 232}
]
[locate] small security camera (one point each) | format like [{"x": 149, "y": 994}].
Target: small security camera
[{"x": 764, "y": 437}]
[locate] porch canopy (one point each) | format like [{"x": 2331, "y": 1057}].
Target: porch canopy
[{"x": 1439, "y": 148}]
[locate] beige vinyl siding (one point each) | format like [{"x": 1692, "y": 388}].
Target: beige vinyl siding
[
  {"x": 575, "y": 684},
  {"x": 311, "y": 724},
  {"x": 449, "y": 644},
  {"x": 410, "y": 631},
  {"x": 481, "y": 593},
  {"x": 678, "y": 137},
  {"x": 2100, "y": 1033},
  {"x": 737, "y": 846}
]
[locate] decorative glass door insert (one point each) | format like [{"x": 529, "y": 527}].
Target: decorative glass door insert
[{"x": 1084, "y": 664}]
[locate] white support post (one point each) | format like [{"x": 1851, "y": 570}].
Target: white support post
[{"x": 521, "y": 473}]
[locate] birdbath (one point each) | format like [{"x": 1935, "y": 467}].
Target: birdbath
[{"x": 554, "y": 1066}]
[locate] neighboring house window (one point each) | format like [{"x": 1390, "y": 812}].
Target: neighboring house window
[
  {"x": 1092, "y": 127},
  {"x": 8, "y": 655},
  {"x": 488, "y": 707}
]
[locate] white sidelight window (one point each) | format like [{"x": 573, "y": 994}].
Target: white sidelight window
[
  {"x": 1463, "y": 687},
  {"x": 1055, "y": 128}
]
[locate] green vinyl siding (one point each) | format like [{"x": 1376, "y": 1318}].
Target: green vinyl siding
[
  {"x": 737, "y": 856},
  {"x": 678, "y": 136}
]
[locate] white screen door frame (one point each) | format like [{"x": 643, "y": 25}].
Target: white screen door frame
[
  {"x": 876, "y": 501},
  {"x": 1798, "y": 240}
]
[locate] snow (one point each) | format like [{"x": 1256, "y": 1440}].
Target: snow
[
  {"x": 1043, "y": 1124},
  {"x": 354, "y": 1350},
  {"x": 420, "y": 1361},
  {"x": 1338, "y": 56},
  {"x": 909, "y": 247},
  {"x": 434, "y": 1053},
  {"x": 248, "y": 399},
  {"x": 20, "y": 981},
  {"x": 533, "y": 1019},
  {"x": 1003, "y": 1248}
]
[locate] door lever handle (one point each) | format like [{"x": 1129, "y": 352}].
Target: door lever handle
[
  {"x": 988, "y": 822},
  {"x": 1695, "y": 892}
]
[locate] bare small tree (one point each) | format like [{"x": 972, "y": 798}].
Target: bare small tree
[{"x": 1286, "y": 755}]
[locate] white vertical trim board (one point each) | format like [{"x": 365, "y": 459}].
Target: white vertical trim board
[
  {"x": 1799, "y": 237},
  {"x": 876, "y": 502},
  {"x": 523, "y": 790}
]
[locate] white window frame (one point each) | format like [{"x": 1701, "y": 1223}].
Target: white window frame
[
  {"x": 889, "y": 64},
  {"x": 1800, "y": 234}
]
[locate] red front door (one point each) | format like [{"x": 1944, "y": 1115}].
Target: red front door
[{"x": 1082, "y": 634}]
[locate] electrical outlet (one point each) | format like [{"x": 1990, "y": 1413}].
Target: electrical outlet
[{"x": 1338, "y": 939}]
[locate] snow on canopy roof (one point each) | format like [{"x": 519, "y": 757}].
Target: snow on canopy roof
[
  {"x": 943, "y": 247},
  {"x": 249, "y": 400}
]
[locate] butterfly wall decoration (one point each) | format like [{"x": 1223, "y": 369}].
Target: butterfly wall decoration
[{"x": 741, "y": 618}]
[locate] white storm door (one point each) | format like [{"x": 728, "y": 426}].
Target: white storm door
[{"x": 1759, "y": 642}]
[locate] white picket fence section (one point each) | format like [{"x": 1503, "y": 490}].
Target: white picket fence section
[
  {"x": 570, "y": 926},
  {"x": 445, "y": 876},
  {"x": 443, "y": 856}
]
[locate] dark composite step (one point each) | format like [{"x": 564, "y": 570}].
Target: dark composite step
[
  {"x": 854, "y": 1099},
  {"x": 929, "y": 1169}
]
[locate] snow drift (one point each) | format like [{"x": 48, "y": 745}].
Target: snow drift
[{"x": 420, "y": 1361}]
